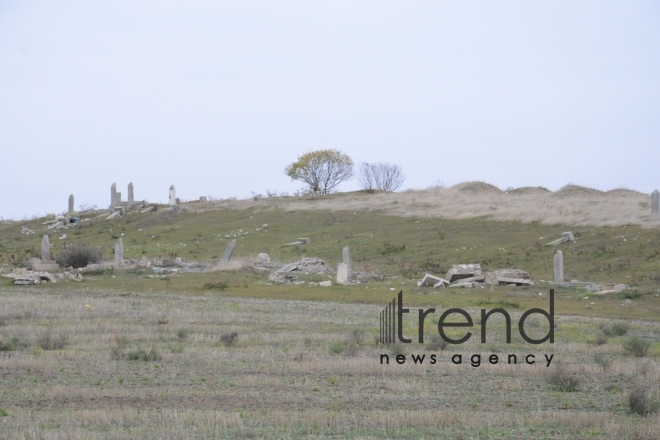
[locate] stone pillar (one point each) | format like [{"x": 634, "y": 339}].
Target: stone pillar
[
  {"x": 172, "y": 196},
  {"x": 131, "y": 199},
  {"x": 119, "y": 251},
  {"x": 117, "y": 200},
  {"x": 229, "y": 250},
  {"x": 346, "y": 254},
  {"x": 655, "y": 203},
  {"x": 71, "y": 204},
  {"x": 45, "y": 248},
  {"x": 113, "y": 195},
  {"x": 559, "y": 267},
  {"x": 342, "y": 273}
]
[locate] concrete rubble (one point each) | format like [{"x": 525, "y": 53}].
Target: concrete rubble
[
  {"x": 25, "y": 277},
  {"x": 300, "y": 241},
  {"x": 566, "y": 237},
  {"x": 469, "y": 275},
  {"x": 289, "y": 273}
]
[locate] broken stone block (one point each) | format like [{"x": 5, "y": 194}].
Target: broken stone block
[
  {"x": 325, "y": 283},
  {"x": 460, "y": 271},
  {"x": 517, "y": 281},
  {"x": 263, "y": 258},
  {"x": 477, "y": 279},
  {"x": 229, "y": 250},
  {"x": 432, "y": 281},
  {"x": 342, "y": 273},
  {"x": 304, "y": 240}
]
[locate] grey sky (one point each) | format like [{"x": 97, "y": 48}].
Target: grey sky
[{"x": 218, "y": 97}]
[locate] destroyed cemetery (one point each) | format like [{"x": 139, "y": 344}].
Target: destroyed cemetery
[{"x": 260, "y": 317}]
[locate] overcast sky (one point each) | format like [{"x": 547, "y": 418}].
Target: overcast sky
[{"x": 217, "y": 97}]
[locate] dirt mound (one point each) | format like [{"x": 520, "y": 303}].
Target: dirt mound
[
  {"x": 528, "y": 190},
  {"x": 577, "y": 191},
  {"x": 624, "y": 192},
  {"x": 476, "y": 188}
]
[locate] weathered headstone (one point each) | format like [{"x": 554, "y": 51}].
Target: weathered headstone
[
  {"x": 342, "y": 273},
  {"x": 559, "y": 267},
  {"x": 655, "y": 202},
  {"x": 71, "y": 204},
  {"x": 117, "y": 200},
  {"x": 45, "y": 248},
  {"x": 172, "y": 196},
  {"x": 119, "y": 251},
  {"x": 346, "y": 254},
  {"x": 229, "y": 250},
  {"x": 113, "y": 195},
  {"x": 131, "y": 200}
]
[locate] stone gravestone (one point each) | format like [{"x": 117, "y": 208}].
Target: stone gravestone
[
  {"x": 113, "y": 195},
  {"x": 342, "y": 273},
  {"x": 655, "y": 203},
  {"x": 559, "y": 267},
  {"x": 346, "y": 254},
  {"x": 172, "y": 196},
  {"x": 45, "y": 248},
  {"x": 71, "y": 204},
  {"x": 117, "y": 200},
  {"x": 131, "y": 199},
  {"x": 119, "y": 251},
  {"x": 229, "y": 250}
]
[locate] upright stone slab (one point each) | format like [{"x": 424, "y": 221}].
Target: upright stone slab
[
  {"x": 559, "y": 267},
  {"x": 45, "y": 248},
  {"x": 71, "y": 204},
  {"x": 229, "y": 250},
  {"x": 131, "y": 199},
  {"x": 342, "y": 273},
  {"x": 346, "y": 254},
  {"x": 172, "y": 196},
  {"x": 119, "y": 251},
  {"x": 117, "y": 200},
  {"x": 655, "y": 203},
  {"x": 113, "y": 195}
]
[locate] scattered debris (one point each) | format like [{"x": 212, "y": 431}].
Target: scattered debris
[
  {"x": 512, "y": 276},
  {"x": 289, "y": 273},
  {"x": 565, "y": 238},
  {"x": 461, "y": 271},
  {"x": 603, "y": 289},
  {"x": 432, "y": 281}
]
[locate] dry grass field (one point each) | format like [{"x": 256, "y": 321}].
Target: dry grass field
[
  {"x": 571, "y": 205},
  {"x": 110, "y": 364}
]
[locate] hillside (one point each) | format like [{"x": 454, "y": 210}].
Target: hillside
[{"x": 396, "y": 235}]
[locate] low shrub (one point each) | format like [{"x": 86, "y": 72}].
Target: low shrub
[
  {"x": 11, "y": 344},
  {"x": 620, "y": 329},
  {"x": 437, "y": 344},
  {"x": 49, "y": 342},
  {"x": 142, "y": 355},
  {"x": 642, "y": 401},
  {"x": 337, "y": 347},
  {"x": 602, "y": 360},
  {"x": 229, "y": 338},
  {"x": 601, "y": 338},
  {"x": 220, "y": 285},
  {"x": 636, "y": 346},
  {"x": 79, "y": 255},
  {"x": 562, "y": 380}
]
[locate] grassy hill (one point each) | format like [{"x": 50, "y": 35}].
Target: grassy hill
[{"x": 401, "y": 247}]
